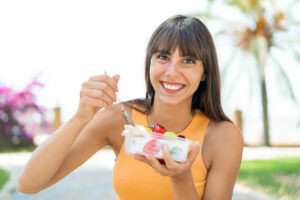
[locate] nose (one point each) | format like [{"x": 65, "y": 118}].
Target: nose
[{"x": 173, "y": 70}]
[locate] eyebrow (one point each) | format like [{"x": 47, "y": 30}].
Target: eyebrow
[
  {"x": 168, "y": 53},
  {"x": 161, "y": 51}
]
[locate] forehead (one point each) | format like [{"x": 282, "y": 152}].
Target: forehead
[{"x": 176, "y": 51}]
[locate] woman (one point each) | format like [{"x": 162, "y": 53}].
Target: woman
[{"x": 183, "y": 95}]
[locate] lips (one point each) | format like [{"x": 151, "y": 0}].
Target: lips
[{"x": 171, "y": 87}]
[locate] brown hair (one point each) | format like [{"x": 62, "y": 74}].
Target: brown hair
[{"x": 192, "y": 38}]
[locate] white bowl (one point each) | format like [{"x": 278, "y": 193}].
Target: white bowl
[{"x": 153, "y": 144}]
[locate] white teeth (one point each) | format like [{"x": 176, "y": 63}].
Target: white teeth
[{"x": 172, "y": 87}]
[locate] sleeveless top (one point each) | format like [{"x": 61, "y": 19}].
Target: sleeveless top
[{"x": 136, "y": 180}]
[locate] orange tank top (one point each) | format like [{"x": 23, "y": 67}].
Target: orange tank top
[{"x": 135, "y": 180}]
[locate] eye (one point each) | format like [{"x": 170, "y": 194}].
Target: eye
[
  {"x": 189, "y": 61},
  {"x": 162, "y": 57}
]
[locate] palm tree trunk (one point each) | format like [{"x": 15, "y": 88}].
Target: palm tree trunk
[
  {"x": 262, "y": 50},
  {"x": 264, "y": 99}
]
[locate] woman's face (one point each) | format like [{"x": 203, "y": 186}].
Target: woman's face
[{"x": 175, "y": 78}]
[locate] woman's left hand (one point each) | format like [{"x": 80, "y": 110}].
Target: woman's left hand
[{"x": 171, "y": 168}]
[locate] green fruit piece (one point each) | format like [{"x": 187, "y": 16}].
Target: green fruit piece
[
  {"x": 175, "y": 150},
  {"x": 170, "y": 135}
]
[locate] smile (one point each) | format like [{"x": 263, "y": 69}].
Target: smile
[{"x": 171, "y": 87}]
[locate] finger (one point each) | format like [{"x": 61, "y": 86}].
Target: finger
[
  {"x": 192, "y": 155},
  {"x": 116, "y": 79},
  {"x": 107, "y": 79},
  {"x": 101, "y": 86},
  {"x": 92, "y": 102},
  {"x": 140, "y": 158},
  {"x": 98, "y": 94},
  {"x": 167, "y": 158},
  {"x": 153, "y": 162}
]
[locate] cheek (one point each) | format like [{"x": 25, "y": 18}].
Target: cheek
[
  {"x": 197, "y": 83},
  {"x": 195, "y": 80},
  {"x": 155, "y": 73}
]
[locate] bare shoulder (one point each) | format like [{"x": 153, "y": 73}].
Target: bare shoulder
[
  {"x": 224, "y": 138},
  {"x": 224, "y": 148},
  {"x": 107, "y": 120},
  {"x": 109, "y": 117},
  {"x": 109, "y": 124},
  {"x": 224, "y": 132}
]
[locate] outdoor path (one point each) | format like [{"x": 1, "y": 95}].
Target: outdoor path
[{"x": 93, "y": 180}]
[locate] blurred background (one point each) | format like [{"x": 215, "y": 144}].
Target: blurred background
[{"x": 49, "y": 48}]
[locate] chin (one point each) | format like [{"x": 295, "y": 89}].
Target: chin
[{"x": 170, "y": 101}]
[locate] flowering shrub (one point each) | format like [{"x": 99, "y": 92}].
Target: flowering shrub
[{"x": 20, "y": 116}]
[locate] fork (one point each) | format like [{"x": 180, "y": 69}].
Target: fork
[{"x": 124, "y": 112}]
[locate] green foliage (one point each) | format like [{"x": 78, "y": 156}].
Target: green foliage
[
  {"x": 4, "y": 177},
  {"x": 247, "y": 6},
  {"x": 18, "y": 149},
  {"x": 277, "y": 177}
]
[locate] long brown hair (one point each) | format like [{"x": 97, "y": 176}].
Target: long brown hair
[{"x": 192, "y": 38}]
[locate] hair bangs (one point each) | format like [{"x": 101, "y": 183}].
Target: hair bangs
[
  {"x": 189, "y": 44},
  {"x": 172, "y": 36},
  {"x": 166, "y": 40}
]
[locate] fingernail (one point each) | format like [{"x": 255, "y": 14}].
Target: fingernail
[
  {"x": 196, "y": 143},
  {"x": 148, "y": 156}
]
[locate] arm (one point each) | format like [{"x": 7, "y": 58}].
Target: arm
[
  {"x": 43, "y": 164},
  {"x": 184, "y": 188},
  {"x": 93, "y": 137},
  {"x": 73, "y": 143},
  {"x": 227, "y": 147}
]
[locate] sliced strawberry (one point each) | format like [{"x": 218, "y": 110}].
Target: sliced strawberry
[
  {"x": 152, "y": 147},
  {"x": 157, "y": 128}
]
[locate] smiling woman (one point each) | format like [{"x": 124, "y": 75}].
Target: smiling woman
[
  {"x": 173, "y": 79},
  {"x": 183, "y": 96}
]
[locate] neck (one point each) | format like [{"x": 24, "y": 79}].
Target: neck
[{"x": 173, "y": 118}]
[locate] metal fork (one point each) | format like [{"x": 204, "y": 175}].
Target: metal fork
[{"x": 124, "y": 112}]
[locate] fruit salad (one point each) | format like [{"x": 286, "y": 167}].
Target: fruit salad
[{"x": 151, "y": 140}]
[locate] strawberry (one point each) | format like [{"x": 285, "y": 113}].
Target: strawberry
[
  {"x": 157, "y": 128},
  {"x": 181, "y": 136},
  {"x": 152, "y": 147},
  {"x": 161, "y": 161}
]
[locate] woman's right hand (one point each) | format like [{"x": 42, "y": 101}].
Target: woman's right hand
[{"x": 96, "y": 93}]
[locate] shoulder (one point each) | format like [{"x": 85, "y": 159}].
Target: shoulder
[
  {"x": 225, "y": 147},
  {"x": 108, "y": 117},
  {"x": 224, "y": 138},
  {"x": 108, "y": 122}
]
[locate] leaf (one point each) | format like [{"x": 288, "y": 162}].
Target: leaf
[
  {"x": 284, "y": 77},
  {"x": 292, "y": 4},
  {"x": 296, "y": 53},
  {"x": 228, "y": 64},
  {"x": 222, "y": 32},
  {"x": 204, "y": 15},
  {"x": 241, "y": 4},
  {"x": 237, "y": 73}
]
